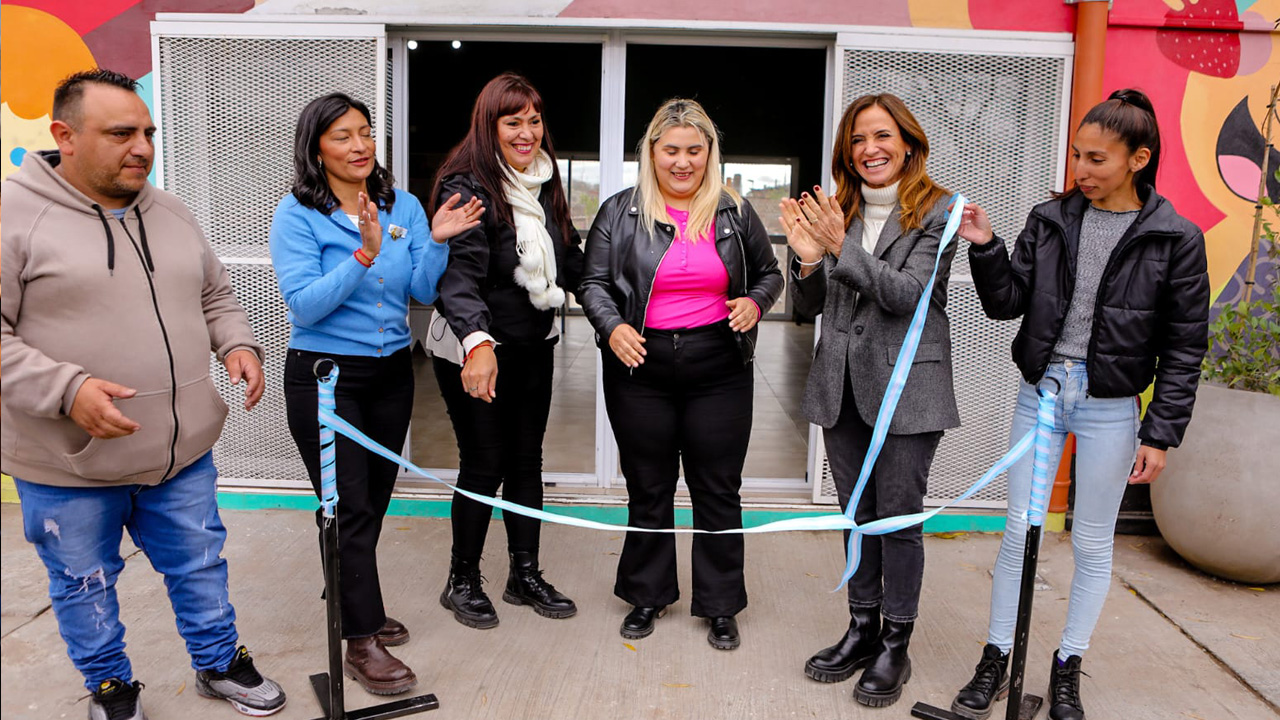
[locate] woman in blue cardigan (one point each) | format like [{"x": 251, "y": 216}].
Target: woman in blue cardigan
[{"x": 349, "y": 250}]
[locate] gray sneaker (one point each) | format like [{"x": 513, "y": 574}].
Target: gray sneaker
[
  {"x": 115, "y": 700},
  {"x": 242, "y": 686}
]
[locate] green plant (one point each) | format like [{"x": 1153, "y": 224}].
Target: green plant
[{"x": 1244, "y": 339}]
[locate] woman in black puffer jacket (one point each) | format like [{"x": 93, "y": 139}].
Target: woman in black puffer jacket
[{"x": 1112, "y": 287}]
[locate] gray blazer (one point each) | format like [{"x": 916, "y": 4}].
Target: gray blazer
[{"x": 867, "y": 301}]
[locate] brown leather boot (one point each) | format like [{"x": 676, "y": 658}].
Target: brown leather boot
[
  {"x": 393, "y": 633},
  {"x": 368, "y": 663}
]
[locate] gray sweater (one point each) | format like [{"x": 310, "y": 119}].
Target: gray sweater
[{"x": 1100, "y": 232}]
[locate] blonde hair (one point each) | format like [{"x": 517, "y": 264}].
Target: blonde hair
[
  {"x": 681, "y": 113},
  {"x": 917, "y": 192}
]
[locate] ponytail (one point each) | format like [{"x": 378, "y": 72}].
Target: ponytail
[{"x": 1128, "y": 114}]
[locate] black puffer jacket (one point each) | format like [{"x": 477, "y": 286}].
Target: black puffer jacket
[
  {"x": 1150, "y": 317},
  {"x": 622, "y": 259}
]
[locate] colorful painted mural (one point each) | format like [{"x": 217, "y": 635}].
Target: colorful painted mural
[{"x": 1206, "y": 63}]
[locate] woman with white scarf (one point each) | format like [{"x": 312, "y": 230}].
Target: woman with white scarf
[{"x": 493, "y": 337}]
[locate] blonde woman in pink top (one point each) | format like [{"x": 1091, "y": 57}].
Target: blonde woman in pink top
[{"x": 678, "y": 271}]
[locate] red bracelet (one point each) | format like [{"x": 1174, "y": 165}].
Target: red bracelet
[
  {"x": 486, "y": 343},
  {"x": 363, "y": 259}
]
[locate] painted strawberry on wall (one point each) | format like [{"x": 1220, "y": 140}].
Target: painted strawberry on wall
[{"x": 1202, "y": 36}]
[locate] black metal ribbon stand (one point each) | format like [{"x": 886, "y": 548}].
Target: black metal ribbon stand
[
  {"x": 328, "y": 685},
  {"x": 1021, "y": 706}
]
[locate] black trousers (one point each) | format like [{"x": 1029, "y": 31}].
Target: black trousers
[
  {"x": 376, "y": 396},
  {"x": 891, "y": 569},
  {"x": 500, "y": 444},
  {"x": 691, "y": 400}
]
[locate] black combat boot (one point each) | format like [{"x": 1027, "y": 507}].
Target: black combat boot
[
  {"x": 464, "y": 596},
  {"x": 525, "y": 586},
  {"x": 881, "y": 683},
  {"x": 840, "y": 661},
  {"x": 990, "y": 683},
  {"x": 1064, "y": 689}
]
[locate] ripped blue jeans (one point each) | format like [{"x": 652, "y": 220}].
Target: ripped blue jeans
[{"x": 77, "y": 533}]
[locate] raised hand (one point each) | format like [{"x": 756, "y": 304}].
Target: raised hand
[
  {"x": 450, "y": 221},
  {"x": 974, "y": 224},
  {"x": 823, "y": 217},
  {"x": 807, "y": 248},
  {"x": 370, "y": 227}
]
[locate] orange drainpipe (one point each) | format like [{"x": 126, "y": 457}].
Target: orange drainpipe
[
  {"x": 1086, "y": 91},
  {"x": 1091, "y": 53},
  {"x": 1056, "y": 519}
]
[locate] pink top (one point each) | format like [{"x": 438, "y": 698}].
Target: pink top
[{"x": 692, "y": 285}]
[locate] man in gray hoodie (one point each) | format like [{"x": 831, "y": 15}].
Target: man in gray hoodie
[{"x": 112, "y": 301}]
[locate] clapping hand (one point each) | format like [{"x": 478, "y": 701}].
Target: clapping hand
[
  {"x": 819, "y": 215},
  {"x": 370, "y": 227},
  {"x": 450, "y": 221}
]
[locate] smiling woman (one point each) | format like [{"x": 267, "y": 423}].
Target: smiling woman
[
  {"x": 506, "y": 279},
  {"x": 349, "y": 250},
  {"x": 862, "y": 258},
  {"x": 683, "y": 258}
]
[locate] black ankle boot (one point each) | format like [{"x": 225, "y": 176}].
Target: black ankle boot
[
  {"x": 990, "y": 683},
  {"x": 464, "y": 596},
  {"x": 881, "y": 683},
  {"x": 840, "y": 661},
  {"x": 1064, "y": 689},
  {"x": 525, "y": 586}
]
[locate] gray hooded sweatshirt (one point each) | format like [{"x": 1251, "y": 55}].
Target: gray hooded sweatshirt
[{"x": 140, "y": 302}]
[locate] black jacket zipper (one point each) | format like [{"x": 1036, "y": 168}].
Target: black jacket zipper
[{"x": 168, "y": 349}]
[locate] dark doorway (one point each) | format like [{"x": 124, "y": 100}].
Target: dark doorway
[{"x": 444, "y": 82}]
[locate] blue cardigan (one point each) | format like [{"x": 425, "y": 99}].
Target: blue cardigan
[{"x": 336, "y": 304}]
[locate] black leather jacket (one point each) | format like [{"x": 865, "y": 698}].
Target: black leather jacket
[
  {"x": 622, "y": 259},
  {"x": 1150, "y": 317},
  {"x": 478, "y": 290}
]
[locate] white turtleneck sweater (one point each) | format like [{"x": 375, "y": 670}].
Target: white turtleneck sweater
[{"x": 879, "y": 205}]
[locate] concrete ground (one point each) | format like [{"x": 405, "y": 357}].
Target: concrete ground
[{"x": 1172, "y": 643}]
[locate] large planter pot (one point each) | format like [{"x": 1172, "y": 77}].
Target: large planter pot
[{"x": 1217, "y": 503}]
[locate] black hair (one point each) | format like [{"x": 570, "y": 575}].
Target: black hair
[
  {"x": 310, "y": 184},
  {"x": 69, "y": 93},
  {"x": 1128, "y": 114}
]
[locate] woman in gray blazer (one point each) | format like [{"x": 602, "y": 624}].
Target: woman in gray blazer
[{"x": 862, "y": 259}]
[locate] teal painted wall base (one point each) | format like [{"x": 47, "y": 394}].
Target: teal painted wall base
[{"x": 614, "y": 514}]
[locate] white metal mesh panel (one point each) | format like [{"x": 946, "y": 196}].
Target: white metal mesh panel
[
  {"x": 256, "y": 445},
  {"x": 228, "y": 109},
  {"x": 993, "y": 123}
]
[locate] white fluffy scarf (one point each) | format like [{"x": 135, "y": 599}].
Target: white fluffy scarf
[{"x": 537, "y": 269}]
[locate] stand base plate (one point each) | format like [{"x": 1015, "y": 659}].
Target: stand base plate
[
  {"x": 399, "y": 708},
  {"x": 1027, "y": 711}
]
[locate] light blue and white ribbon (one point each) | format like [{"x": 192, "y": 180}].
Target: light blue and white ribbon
[
  {"x": 328, "y": 457},
  {"x": 1040, "y": 460},
  {"x": 331, "y": 423},
  {"x": 893, "y": 393}
]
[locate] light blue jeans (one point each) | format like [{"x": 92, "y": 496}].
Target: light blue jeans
[
  {"x": 77, "y": 533},
  {"x": 1106, "y": 431}
]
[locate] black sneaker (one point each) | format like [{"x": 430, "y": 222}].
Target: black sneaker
[
  {"x": 242, "y": 686},
  {"x": 115, "y": 700}
]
